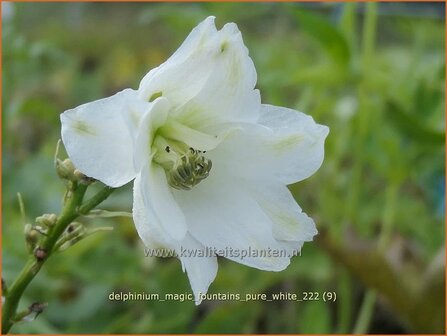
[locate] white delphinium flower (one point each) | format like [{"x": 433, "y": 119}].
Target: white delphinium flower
[{"x": 211, "y": 163}]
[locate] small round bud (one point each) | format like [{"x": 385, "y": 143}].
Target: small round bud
[
  {"x": 65, "y": 169},
  {"x": 61, "y": 170},
  {"x": 33, "y": 311},
  {"x": 47, "y": 220},
  {"x": 40, "y": 253},
  {"x": 37, "y": 307},
  {"x": 82, "y": 178},
  {"x": 53, "y": 218},
  {"x": 69, "y": 164},
  {"x": 31, "y": 237},
  {"x": 78, "y": 174}
]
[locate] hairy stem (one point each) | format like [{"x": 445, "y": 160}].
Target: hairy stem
[{"x": 73, "y": 207}]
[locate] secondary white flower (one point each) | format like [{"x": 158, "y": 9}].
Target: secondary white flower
[{"x": 210, "y": 162}]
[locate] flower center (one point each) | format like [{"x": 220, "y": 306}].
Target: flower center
[{"x": 185, "y": 166}]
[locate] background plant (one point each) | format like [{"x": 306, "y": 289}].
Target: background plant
[{"x": 374, "y": 73}]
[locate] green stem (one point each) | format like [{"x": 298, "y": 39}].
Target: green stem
[
  {"x": 69, "y": 213},
  {"x": 366, "y": 312},
  {"x": 369, "y": 33},
  {"x": 367, "y": 307},
  {"x": 95, "y": 200},
  {"x": 344, "y": 302},
  {"x": 368, "y": 44},
  {"x": 348, "y": 25},
  {"x": 71, "y": 210},
  {"x": 21, "y": 315}
]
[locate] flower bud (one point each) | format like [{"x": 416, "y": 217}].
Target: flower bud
[
  {"x": 65, "y": 169},
  {"x": 35, "y": 309},
  {"x": 47, "y": 220},
  {"x": 31, "y": 313},
  {"x": 69, "y": 165},
  {"x": 40, "y": 254},
  {"x": 82, "y": 178},
  {"x": 31, "y": 237}
]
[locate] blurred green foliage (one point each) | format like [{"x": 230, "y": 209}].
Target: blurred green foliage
[{"x": 377, "y": 80}]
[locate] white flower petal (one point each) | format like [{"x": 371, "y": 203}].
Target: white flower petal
[
  {"x": 289, "y": 222},
  {"x": 201, "y": 270},
  {"x": 159, "y": 201},
  {"x": 297, "y": 142},
  {"x": 196, "y": 139},
  {"x": 222, "y": 216},
  {"x": 228, "y": 94},
  {"x": 138, "y": 110},
  {"x": 145, "y": 132},
  {"x": 97, "y": 139},
  {"x": 293, "y": 248},
  {"x": 186, "y": 71},
  {"x": 287, "y": 146},
  {"x": 146, "y": 222},
  {"x": 209, "y": 79}
]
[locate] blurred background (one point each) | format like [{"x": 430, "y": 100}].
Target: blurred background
[{"x": 374, "y": 73}]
